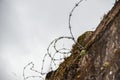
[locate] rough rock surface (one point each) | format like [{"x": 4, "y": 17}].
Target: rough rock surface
[{"x": 100, "y": 60}]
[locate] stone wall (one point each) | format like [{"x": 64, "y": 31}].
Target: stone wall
[{"x": 101, "y": 59}]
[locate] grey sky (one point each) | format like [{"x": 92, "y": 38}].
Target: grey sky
[{"x": 28, "y": 26}]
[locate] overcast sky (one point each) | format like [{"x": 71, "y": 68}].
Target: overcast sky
[{"x": 28, "y": 26}]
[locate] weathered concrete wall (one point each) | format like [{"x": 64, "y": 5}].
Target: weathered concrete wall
[{"x": 101, "y": 59}]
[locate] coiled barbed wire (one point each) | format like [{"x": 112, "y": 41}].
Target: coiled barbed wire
[
  {"x": 32, "y": 69},
  {"x": 60, "y": 51}
]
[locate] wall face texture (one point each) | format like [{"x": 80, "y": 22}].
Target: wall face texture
[{"x": 101, "y": 59}]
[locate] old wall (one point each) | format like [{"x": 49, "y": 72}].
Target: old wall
[{"x": 101, "y": 59}]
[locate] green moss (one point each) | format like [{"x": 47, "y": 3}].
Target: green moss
[
  {"x": 81, "y": 39},
  {"x": 83, "y": 52}
]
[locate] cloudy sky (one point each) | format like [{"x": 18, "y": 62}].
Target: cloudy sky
[{"x": 28, "y": 26}]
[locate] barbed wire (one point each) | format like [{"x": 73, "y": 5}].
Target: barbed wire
[
  {"x": 69, "y": 23},
  {"x": 63, "y": 51},
  {"x": 32, "y": 69}
]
